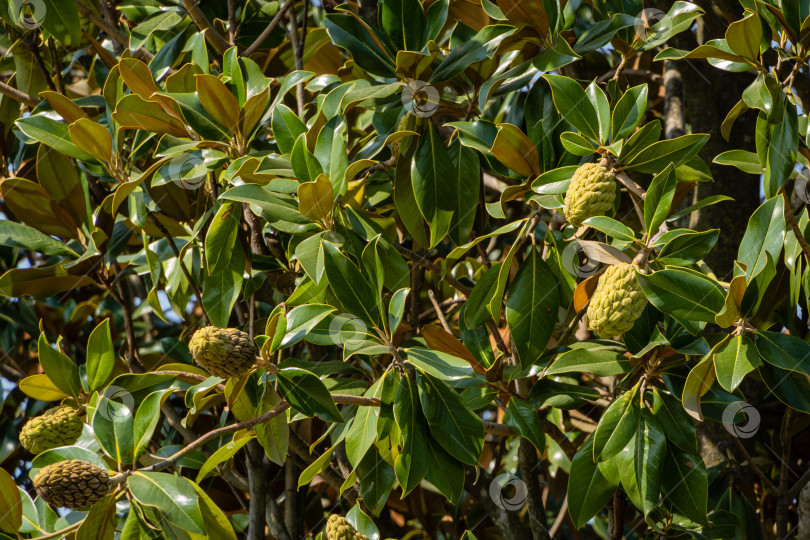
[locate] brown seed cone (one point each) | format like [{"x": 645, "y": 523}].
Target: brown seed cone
[{"x": 72, "y": 484}]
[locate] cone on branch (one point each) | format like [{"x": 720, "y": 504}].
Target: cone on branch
[
  {"x": 591, "y": 193},
  {"x": 72, "y": 484},
  {"x": 339, "y": 528},
  {"x": 58, "y": 426},
  {"x": 617, "y": 301},
  {"x": 223, "y": 352}
]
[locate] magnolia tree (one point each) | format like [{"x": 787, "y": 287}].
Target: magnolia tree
[{"x": 404, "y": 269}]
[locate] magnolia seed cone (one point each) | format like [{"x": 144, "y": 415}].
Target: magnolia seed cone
[
  {"x": 591, "y": 193},
  {"x": 59, "y": 426},
  {"x": 223, "y": 352},
  {"x": 72, "y": 484},
  {"x": 339, "y": 528},
  {"x": 617, "y": 301}
]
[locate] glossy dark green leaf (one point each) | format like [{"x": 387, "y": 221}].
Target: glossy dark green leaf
[
  {"x": 561, "y": 395},
  {"x": 444, "y": 471},
  {"x": 173, "y": 495},
  {"x": 436, "y": 197},
  {"x": 361, "y": 41},
  {"x": 113, "y": 425},
  {"x": 688, "y": 247},
  {"x": 573, "y": 104},
  {"x": 677, "y": 425},
  {"x": 687, "y": 296},
  {"x": 457, "y": 429},
  {"x": 641, "y": 463},
  {"x": 685, "y": 483},
  {"x": 307, "y": 393},
  {"x": 221, "y": 289},
  {"x": 600, "y": 360},
  {"x": 100, "y": 356},
  {"x": 629, "y": 111},
  {"x": 466, "y": 177},
  {"x": 789, "y": 387},
  {"x": 376, "y": 478},
  {"x": 734, "y": 360},
  {"x": 617, "y": 426},
  {"x": 349, "y": 285},
  {"x": 784, "y": 351},
  {"x": 588, "y": 489},
  {"x": 658, "y": 201},
  {"x": 658, "y": 155},
  {"x": 782, "y": 150},
  {"x": 411, "y": 464},
  {"x": 531, "y": 308},
  {"x": 524, "y": 420},
  {"x": 404, "y": 23},
  {"x": 363, "y": 430},
  {"x": 287, "y": 127}
]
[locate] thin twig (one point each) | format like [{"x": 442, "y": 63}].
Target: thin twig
[
  {"x": 211, "y": 34},
  {"x": 439, "y": 313},
  {"x": 797, "y": 232},
  {"x": 782, "y": 502},
  {"x": 112, "y": 31},
  {"x": 295, "y": 40},
  {"x": 267, "y": 31},
  {"x": 18, "y": 95},
  {"x": 765, "y": 480},
  {"x": 232, "y": 22}
]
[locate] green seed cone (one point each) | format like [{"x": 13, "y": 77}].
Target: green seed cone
[
  {"x": 591, "y": 193},
  {"x": 223, "y": 352},
  {"x": 59, "y": 426},
  {"x": 617, "y": 301},
  {"x": 72, "y": 484},
  {"x": 339, "y": 528}
]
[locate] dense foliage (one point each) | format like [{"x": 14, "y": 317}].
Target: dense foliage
[{"x": 489, "y": 269}]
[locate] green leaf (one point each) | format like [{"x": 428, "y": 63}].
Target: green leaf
[
  {"x": 600, "y": 104},
  {"x": 677, "y": 425},
  {"x": 744, "y": 36},
  {"x": 522, "y": 417},
  {"x": 602, "y": 361},
  {"x": 304, "y": 164},
  {"x": 629, "y": 111},
  {"x": 217, "y": 524},
  {"x": 782, "y": 150},
  {"x": 59, "y": 368},
  {"x": 466, "y": 177},
  {"x": 574, "y": 105},
  {"x": 784, "y": 351},
  {"x": 221, "y": 289},
  {"x": 51, "y": 133},
  {"x": 22, "y": 236},
  {"x": 685, "y": 483},
  {"x": 396, "y": 308},
  {"x": 301, "y": 320},
  {"x": 223, "y": 454},
  {"x": 305, "y": 391},
  {"x": 531, "y": 308},
  {"x": 617, "y": 426},
  {"x": 348, "y": 32},
  {"x": 113, "y": 425},
  {"x": 173, "y": 495},
  {"x": 349, "y": 285},
  {"x": 457, "y": 429},
  {"x": 688, "y": 247},
  {"x": 658, "y": 201},
  {"x": 733, "y": 360},
  {"x": 476, "y": 310},
  {"x": 481, "y": 46},
  {"x": 404, "y": 23},
  {"x": 220, "y": 241},
  {"x": 376, "y": 478},
  {"x": 100, "y": 355},
  {"x": 437, "y": 198},
  {"x": 146, "y": 420},
  {"x": 287, "y": 127},
  {"x": 687, "y": 296},
  {"x": 588, "y": 489},
  {"x": 658, "y": 155},
  {"x": 439, "y": 364},
  {"x": 611, "y": 227},
  {"x": 765, "y": 234},
  {"x": 577, "y": 144},
  {"x": 746, "y": 161},
  {"x": 641, "y": 463},
  {"x": 444, "y": 471},
  {"x": 60, "y": 19},
  {"x": 411, "y": 464},
  {"x": 363, "y": 431},
  {"x": 316, "y": 467},
  {"x": 274, "y": 435}
]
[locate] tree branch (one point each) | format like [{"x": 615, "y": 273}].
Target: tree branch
[
  {"x": 267, "y": 31},
  {"x": 18, "y": 95},
  {"x": 211, "y": 34}
]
